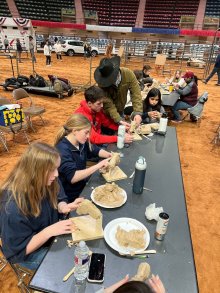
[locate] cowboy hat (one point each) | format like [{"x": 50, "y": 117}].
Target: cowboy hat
[{"x": 107, "y": 71}]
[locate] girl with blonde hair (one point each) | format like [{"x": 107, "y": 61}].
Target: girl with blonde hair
[
  {"x": 74, "y": 148},
  {"x": 30, "y": 200}
]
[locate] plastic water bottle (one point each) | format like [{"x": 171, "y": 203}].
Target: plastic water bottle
[
  {"x": 81, "y": 260},
  {"x": 121, "y": 137},
  {"x": 139, "y": 175},
  {"x": 163, "y": 124}
]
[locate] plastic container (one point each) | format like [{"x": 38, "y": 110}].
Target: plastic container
[
  {"x": 139, "y": 175},
  {"x": 81, "y": 261}
]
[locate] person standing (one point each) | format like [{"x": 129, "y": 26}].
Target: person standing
[
  {"x": 32, "y": 48},
  {"x": 47, "y": 53},
  {"x": 216, "y": 69},
  {"x": 58, "y": 50},
  {"x": 6, "y": 44},
  {"x": 19, "y": 50},
  {"x": 116, "y": 82}
]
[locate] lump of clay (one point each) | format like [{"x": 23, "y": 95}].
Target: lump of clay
[
  {"x": 154, "y": 126},
  {"x": 133, "y": 127},
  {"x": 143, "y": 272},
  {"x": 110, "y": 195},
  {"x": 114, "y": 161},
  {"x": 133, "y": 239},
  {"x": 87, "y": 207},
  {"x": 145, "y": 129}
]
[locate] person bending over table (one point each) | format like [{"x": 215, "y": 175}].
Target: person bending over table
[
  {"x": 152, "y": 107},
  {"x": 188, "y": 96},
  {"x": 116, "y": 82},
  {"x": 74, "y": 148},
  {"x": 103, "y": 128},
  {"x": 31, "y": 199}
]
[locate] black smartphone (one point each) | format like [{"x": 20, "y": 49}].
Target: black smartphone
[{"x": 96, "y": 268}]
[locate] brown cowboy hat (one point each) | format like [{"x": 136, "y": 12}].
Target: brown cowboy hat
[{"x": 107, "y": 71}]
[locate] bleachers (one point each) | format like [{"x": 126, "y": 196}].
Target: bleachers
[
  {"x": 4, "y": 10},
  {"x": 212, "y": 8},
  {"x": 166, "y": 14},
  {"x": 43, "y": 9},
  {"x": 114, "y": 13}
]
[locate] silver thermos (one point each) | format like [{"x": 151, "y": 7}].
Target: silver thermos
[{"x": 139, "y": 175}]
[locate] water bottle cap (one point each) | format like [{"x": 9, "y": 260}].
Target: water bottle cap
[
  {"x": 82, "y": 243},
  {"x": 141, "y": 160}
]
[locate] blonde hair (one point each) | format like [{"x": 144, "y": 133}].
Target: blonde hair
[
  {"x": 74, "y": 122},
  {"x": 27, "y": 182}
]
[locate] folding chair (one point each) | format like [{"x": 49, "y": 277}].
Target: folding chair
[
  {"x": 32, "y": 110},
  {"x": 23, "y": 274},
  {"x": 195, "y": 112},
  {"x": 14, "y": 129}
]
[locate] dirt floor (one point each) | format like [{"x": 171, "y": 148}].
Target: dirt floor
[{"x": 200, "y": 160}]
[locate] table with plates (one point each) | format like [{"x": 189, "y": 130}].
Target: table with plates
[{"x": 174, "y": 260}]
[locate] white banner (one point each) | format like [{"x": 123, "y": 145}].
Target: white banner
[{"x": 118, "y": 29}]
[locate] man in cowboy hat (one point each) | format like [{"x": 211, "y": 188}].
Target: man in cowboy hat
[
  {"x": 188, "y": 96},
  {"x": 116, "y": 82}
]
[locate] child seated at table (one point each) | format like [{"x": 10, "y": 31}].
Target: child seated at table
[
  {"x": 74, "y": 148},
  {"x": 30, "y": 200},
  {"x": 176, "y": 79},
  {"x": 152, "y": 107}
]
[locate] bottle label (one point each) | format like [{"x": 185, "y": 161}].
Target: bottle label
[{"x": 79, "y": 261}]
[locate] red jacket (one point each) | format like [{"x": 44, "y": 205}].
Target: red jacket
[{"x": 97, "y": 120}]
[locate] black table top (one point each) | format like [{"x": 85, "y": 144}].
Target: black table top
[{"x": 173, "y": 262}]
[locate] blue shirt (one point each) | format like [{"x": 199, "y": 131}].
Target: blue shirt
[
  {"x": 17, "y": 229},
  {"x": 217, "y": 62},
  {"x": 72, "y": 160}
]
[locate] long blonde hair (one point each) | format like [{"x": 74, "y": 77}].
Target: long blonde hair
[
  {"x": 27, "y": 182},
  {"x": 74, "y": 122}
]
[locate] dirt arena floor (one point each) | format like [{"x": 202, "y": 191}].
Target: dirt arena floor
[{"x": 200, "y": 160}]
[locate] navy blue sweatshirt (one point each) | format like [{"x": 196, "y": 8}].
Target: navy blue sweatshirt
[
  {"x": 72, "y": 160},
  {"x": 17, "y": 229}
]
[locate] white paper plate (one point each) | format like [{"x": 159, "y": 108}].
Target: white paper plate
[
  {"x": 124, "y": 194},
  {"x": 127, "y": 224}
]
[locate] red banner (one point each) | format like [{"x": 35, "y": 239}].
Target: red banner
[
  {"x": 205, "y": 33},
  {"x": 58, "y": 24}
]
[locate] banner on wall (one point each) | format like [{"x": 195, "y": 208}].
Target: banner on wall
[
  {"x": 21, "y": 21},
  {"x": 2, "y": 20}
]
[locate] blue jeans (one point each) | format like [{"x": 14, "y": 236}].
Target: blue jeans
[
  {"x": 179, "y": 105},
  {"x": 34, "y": 259},
  {"x": 214, "y": 71}
]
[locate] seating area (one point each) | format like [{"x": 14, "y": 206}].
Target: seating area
[
  {"x": 114, "y": 13},
  {"x": 166, "y": 14},
  {"x": 43, "y": 10},
  {"x": 4, "y": 10},
  {"x": 212, "y": 8}
]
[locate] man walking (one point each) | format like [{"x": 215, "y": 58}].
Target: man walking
[{"x": 216, "y": 69}]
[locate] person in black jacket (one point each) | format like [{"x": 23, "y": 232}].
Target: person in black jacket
[{"x": 19, "y": 50}]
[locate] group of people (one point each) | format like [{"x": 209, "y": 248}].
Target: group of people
[
  {"x": 48, "y": 180},
  {"x": 19, "y": 48}
]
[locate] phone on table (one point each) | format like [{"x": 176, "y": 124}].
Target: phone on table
[{"x": 96, "y": 268}]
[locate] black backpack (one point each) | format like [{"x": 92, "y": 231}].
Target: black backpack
[
  {"x": 23, "y": 80},
  {"x": 10, "y": 81},
  {"x": 37, "y": 81}
]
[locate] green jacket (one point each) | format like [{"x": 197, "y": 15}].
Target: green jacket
[{"x": 116, "y": 98}]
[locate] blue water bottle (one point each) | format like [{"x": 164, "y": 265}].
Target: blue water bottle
[{"x": 139, "y": 175}]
